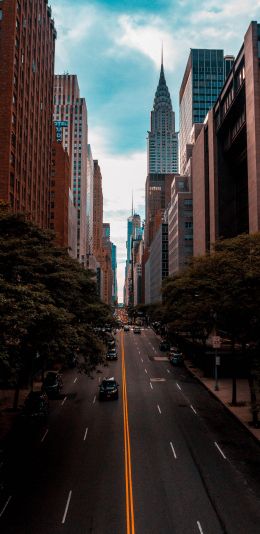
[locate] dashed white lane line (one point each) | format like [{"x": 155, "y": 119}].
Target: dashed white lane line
[
  {"x": 221, "y": 452},
  {"x": 94, "y": 400},
  {"x": 173, "y": 451},
  {"x": 145, "y": 371},
  {"x": 44, "y": 436},
  {"x": 64, "y": 400},
  {"x": 142, "y": 360},
  {"x": 66, "y": 508},
  {"x": 75, "y": 380},
  {"x": 159, "y": 409},
  {"x": 199, "y": 527},
  {"x": 99, "y": 378},
  {"x": 151, "y": 385},
  {"x": 179, "y": 387},
  {"x": 5, "y": 506},
  {"x": 193, "y": 409},
  {"x": 153, "y": 349},
  {"x": 85, "y": 435},
  {"x": 168, "y": 370}
]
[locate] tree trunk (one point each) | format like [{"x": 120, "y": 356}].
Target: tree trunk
[
  {"x": 16, "y": 396},
  {"x": 253, "y": 399},
  {"x": 234, "y": 376}
]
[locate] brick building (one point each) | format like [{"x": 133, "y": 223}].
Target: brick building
[
  {"x": 157, "y": 198},
  {"x": 27, "y": 45},
  {"x": 63, "y": 213}
]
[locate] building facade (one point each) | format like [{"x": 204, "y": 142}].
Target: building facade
[
  {"x": 27, "y": 45},
  {"x": 90, "y": 196},
  {"x": 226, "y": 157},
  {"x": 162, "y": 143},
  {"x": 157, "y": 198},
  {"x": 63, "y": 214},
  {"x": 71, "y": 110},
  {"x": 180, "y": 225},
  {"x": 203, "y": 80},
  {"x": 157, "y": 269}
]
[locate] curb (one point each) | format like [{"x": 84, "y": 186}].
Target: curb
[{"x": 257, "y": 440}]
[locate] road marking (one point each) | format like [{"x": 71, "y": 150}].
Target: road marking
[
  {"x": 221, "y": 452},
  {"x": 193, "y": 409},
  {"x": 168, "y": 370},
  {"x": 64, "y": 400},
  {"x": 153, "y": 349},
  {"x": 99, "y": 378},
  {"x": 151, "y": 385},
  {"x": 178, "y": 386},
  {"x": 173, "y": 450},
  {"x": 43, "y": 438},
  {"x": 130, "y": 518},
  {"x": 94, "y": 400},
  {"x": 142, "y": 360},
  {"x": 159, "y": 409},
  {"x": 158, "y": 379},
  {"x": 75, "y": 380},
  {"x": 5, "y": 506},
  {"x": 199, "y": 527},
  {"x": 145, "y": 371},
  {"x": 67, "y": 507},
  {"x": 85, "y": 435}
]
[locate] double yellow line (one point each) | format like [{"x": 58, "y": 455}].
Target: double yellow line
[{"x": 130, "y": 518}]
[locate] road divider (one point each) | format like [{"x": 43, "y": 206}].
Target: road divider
[{"x": 130, "y": 518}]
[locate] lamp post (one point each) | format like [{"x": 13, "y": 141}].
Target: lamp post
[{"x": 216, "y": 343}]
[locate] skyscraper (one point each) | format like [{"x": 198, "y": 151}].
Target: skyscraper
[
  {"x": 70, "y": 108},
  {"x": 203, "y": 79},
  {"x": 26, "y": 89},
  {"x": 162, "y": 139}
]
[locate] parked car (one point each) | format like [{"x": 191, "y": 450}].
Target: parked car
[
  {"x": 164, "y": 346},
  {"x": 111, "y": 354},
  {"x": 36, "y": 405},
  {"x": 176, "y": 358},
  {"x": 108, "y": 389},
  {"x": 52, "y": 384},
  {"x": 137, "y": 330}
]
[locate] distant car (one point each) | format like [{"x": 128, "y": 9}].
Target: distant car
[
  {"x": 36, "y": 405},
  {"x": 126, "y": 328},
  {"x": 176, "y": 358},
  {"x": 137, "y": 330},
  {"x": 52, "y": 384},
  {"x": 111, "y": 343},
  {"x": 111, "y": 354},
  {"x": 164, "y": 346},
  {"x": 108, "y": 389}
]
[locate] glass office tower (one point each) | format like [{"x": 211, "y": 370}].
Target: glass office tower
[{"x": 204, "y": 77}]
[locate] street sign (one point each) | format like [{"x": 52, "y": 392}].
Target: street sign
[{"x": 216, "y": 342}]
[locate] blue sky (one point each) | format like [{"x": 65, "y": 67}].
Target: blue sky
[{"x": 114, "y": 47}]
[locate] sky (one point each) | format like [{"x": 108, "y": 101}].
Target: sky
[{"x": 114, "y": 47}]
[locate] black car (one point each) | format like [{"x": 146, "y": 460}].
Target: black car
[
  {"x": 164, "y": 346},
  {"x": 137, "y": 330},
  {"x": 111, "y": 354},
  {"x": 176, "y": 358},
  {"x": 36, "y": 405},
  {"x": 108, "y": 389},
  {"x": 52, "y": 384}
]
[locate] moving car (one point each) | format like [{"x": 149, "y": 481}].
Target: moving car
[
  {"x": 111, "y": 354},
  {"x": 52, "y": 384},
  {"x": 164, "y": 346},
  {"x": 137, "y": 330},
  {"x": 176, "y": 358},
  {"x": 126, "y": 328},
  {"x": 108, "y": 389},
  {"x": 36, "y": 405}
]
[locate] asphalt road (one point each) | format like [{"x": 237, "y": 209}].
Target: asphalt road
[{"x": 165, "y": 458}]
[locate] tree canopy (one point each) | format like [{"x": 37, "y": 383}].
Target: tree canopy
[{"x": 48, "y": 301}]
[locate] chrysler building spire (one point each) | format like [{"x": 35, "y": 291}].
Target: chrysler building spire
[{"x": 162, "y": 139}]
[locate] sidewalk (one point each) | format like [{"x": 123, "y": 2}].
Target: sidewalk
[{"x": 242, "y": 412}]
